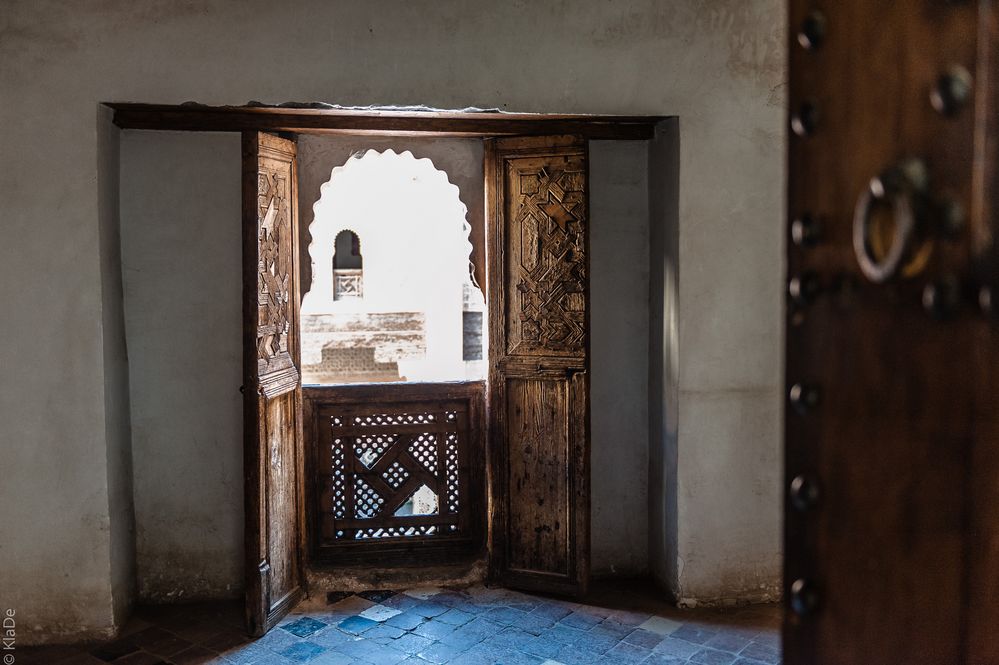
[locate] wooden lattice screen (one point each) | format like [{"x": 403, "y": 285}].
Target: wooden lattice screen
[{"x": 395, "y": 467}]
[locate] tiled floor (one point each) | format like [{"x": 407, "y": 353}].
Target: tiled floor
[{"x": 616, "y": 625}]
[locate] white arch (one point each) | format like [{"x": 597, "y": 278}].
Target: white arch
[
  {"x": 414, "y": 236},
  {"x": 408, "y": 216}
]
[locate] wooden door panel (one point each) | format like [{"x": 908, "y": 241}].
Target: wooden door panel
[
  {"x": 982, "y": 568},
  {"x": 272, "y": 384},
  {"x": 539, "y": 450},
  {"x": 282, "y": 480},
  {"x": 982, "y": 577},
  {"x": 537, "y": 417},
  {"x": 891, "y": 421}
]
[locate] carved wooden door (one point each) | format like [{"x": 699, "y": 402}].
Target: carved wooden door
[
  {"x": 892, "y": 370},
  {"x": 536, "y": 192},
  {"x": 272, "y": 384}
]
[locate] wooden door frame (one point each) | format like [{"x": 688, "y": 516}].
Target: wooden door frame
[
  {"x": 374, "y": 121},
  {"x": 386, "y": 122}
]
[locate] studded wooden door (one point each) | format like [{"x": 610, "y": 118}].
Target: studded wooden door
[
  {"x": 536, "y": 193},
  {"x": 892, "y": 440},
  {"x": 272, "y": 385}
]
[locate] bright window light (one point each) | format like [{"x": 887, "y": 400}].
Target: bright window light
[{"x": 392, "y": 295}]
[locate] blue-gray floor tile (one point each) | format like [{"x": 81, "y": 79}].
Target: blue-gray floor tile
[
  {"x": 478, "y": 627},
  {"x": 695, "y": 634},
  {"x": 455, "y": 617},
  {"x": 504, "y": 615},
  {"x": 643, "y": 638},
  {"x": 563, "y": 634},
  {"x": 435, "y": 630},
  {"x": 411, "y": 643},
  {"x": 356, "y": 625},
  {"x": 406, "y": 621},
  {"x": 708, "y": 656},
  {"x": 677, "y": 648},
  {"x": 302, "y": 652},
  {"x": 761, "y": 652},
  {"x": 304, "y": 627},
  {"x": 581, "y": 619},
  {"x": 438, "y": 652},
  {"x": 429, "y": 609},
  {"x": 727, "y": 641},
  {"x": 664, "y": 659},
  {"x": 381, "y": 630}
]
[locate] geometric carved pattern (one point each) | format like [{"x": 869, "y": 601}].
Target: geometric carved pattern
[
  {"x": 367, "y": 502},
  {"x": 339, "y": 494},
  {"x": 451, "y": 466},
  {"x": 347, "y": 284},
  {"x": 381, "y": 456},
  {"x": 378, "y": 419},
  {"x": 275, "y": 272},
  {"x": 424, "y": 449},
  {"x": 369, "y": 448},
  {"x": 396, "y": 532},
  {"x": 547, "y": 257},
  {"x": 395, "y": 475}
]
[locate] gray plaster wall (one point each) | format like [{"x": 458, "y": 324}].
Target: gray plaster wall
[
  {"x": 619, "y": 357},
  {"x": 182, "y": 266},
  {"x": 121, "y": 514},
  {"x": 664, "y": 354},
  {"x": 718, "y": 65}
]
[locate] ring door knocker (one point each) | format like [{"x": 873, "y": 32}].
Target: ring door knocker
[{"x": 889, "y": 246}]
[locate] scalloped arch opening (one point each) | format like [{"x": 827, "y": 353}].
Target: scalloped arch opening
[{"x": 409, "y": 310}]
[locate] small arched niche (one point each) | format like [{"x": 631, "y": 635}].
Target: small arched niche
[
  {"x": 408, "y": 308},
  {"x": 347, "y": 251},
  {"x": 348, "y": 271}
]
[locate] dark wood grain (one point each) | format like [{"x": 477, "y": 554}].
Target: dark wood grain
[
  {"x": 982, "y": 566},
  {"x": 902, "y": 544},
  {"x": 377, "y": 122},
  {"x": 538, "y": 285},
  {"x": 537, "y": 417},
  {"x": 272, "y": 385}
]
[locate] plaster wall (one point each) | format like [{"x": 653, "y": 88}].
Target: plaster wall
[
  {"x": 121, "y": 514},
  {"x": 182, "y": 266},
  {"x": 619, "y": 356},
  {"x": 664, "y": 353},
  {"x": 718, "y": 65}
]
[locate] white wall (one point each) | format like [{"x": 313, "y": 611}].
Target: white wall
[
  {"x": 716, "y": 64},
  {"x": 182, "y": 265}
]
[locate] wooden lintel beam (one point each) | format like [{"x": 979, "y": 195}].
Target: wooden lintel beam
[{"x": 374, "y": 122}]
